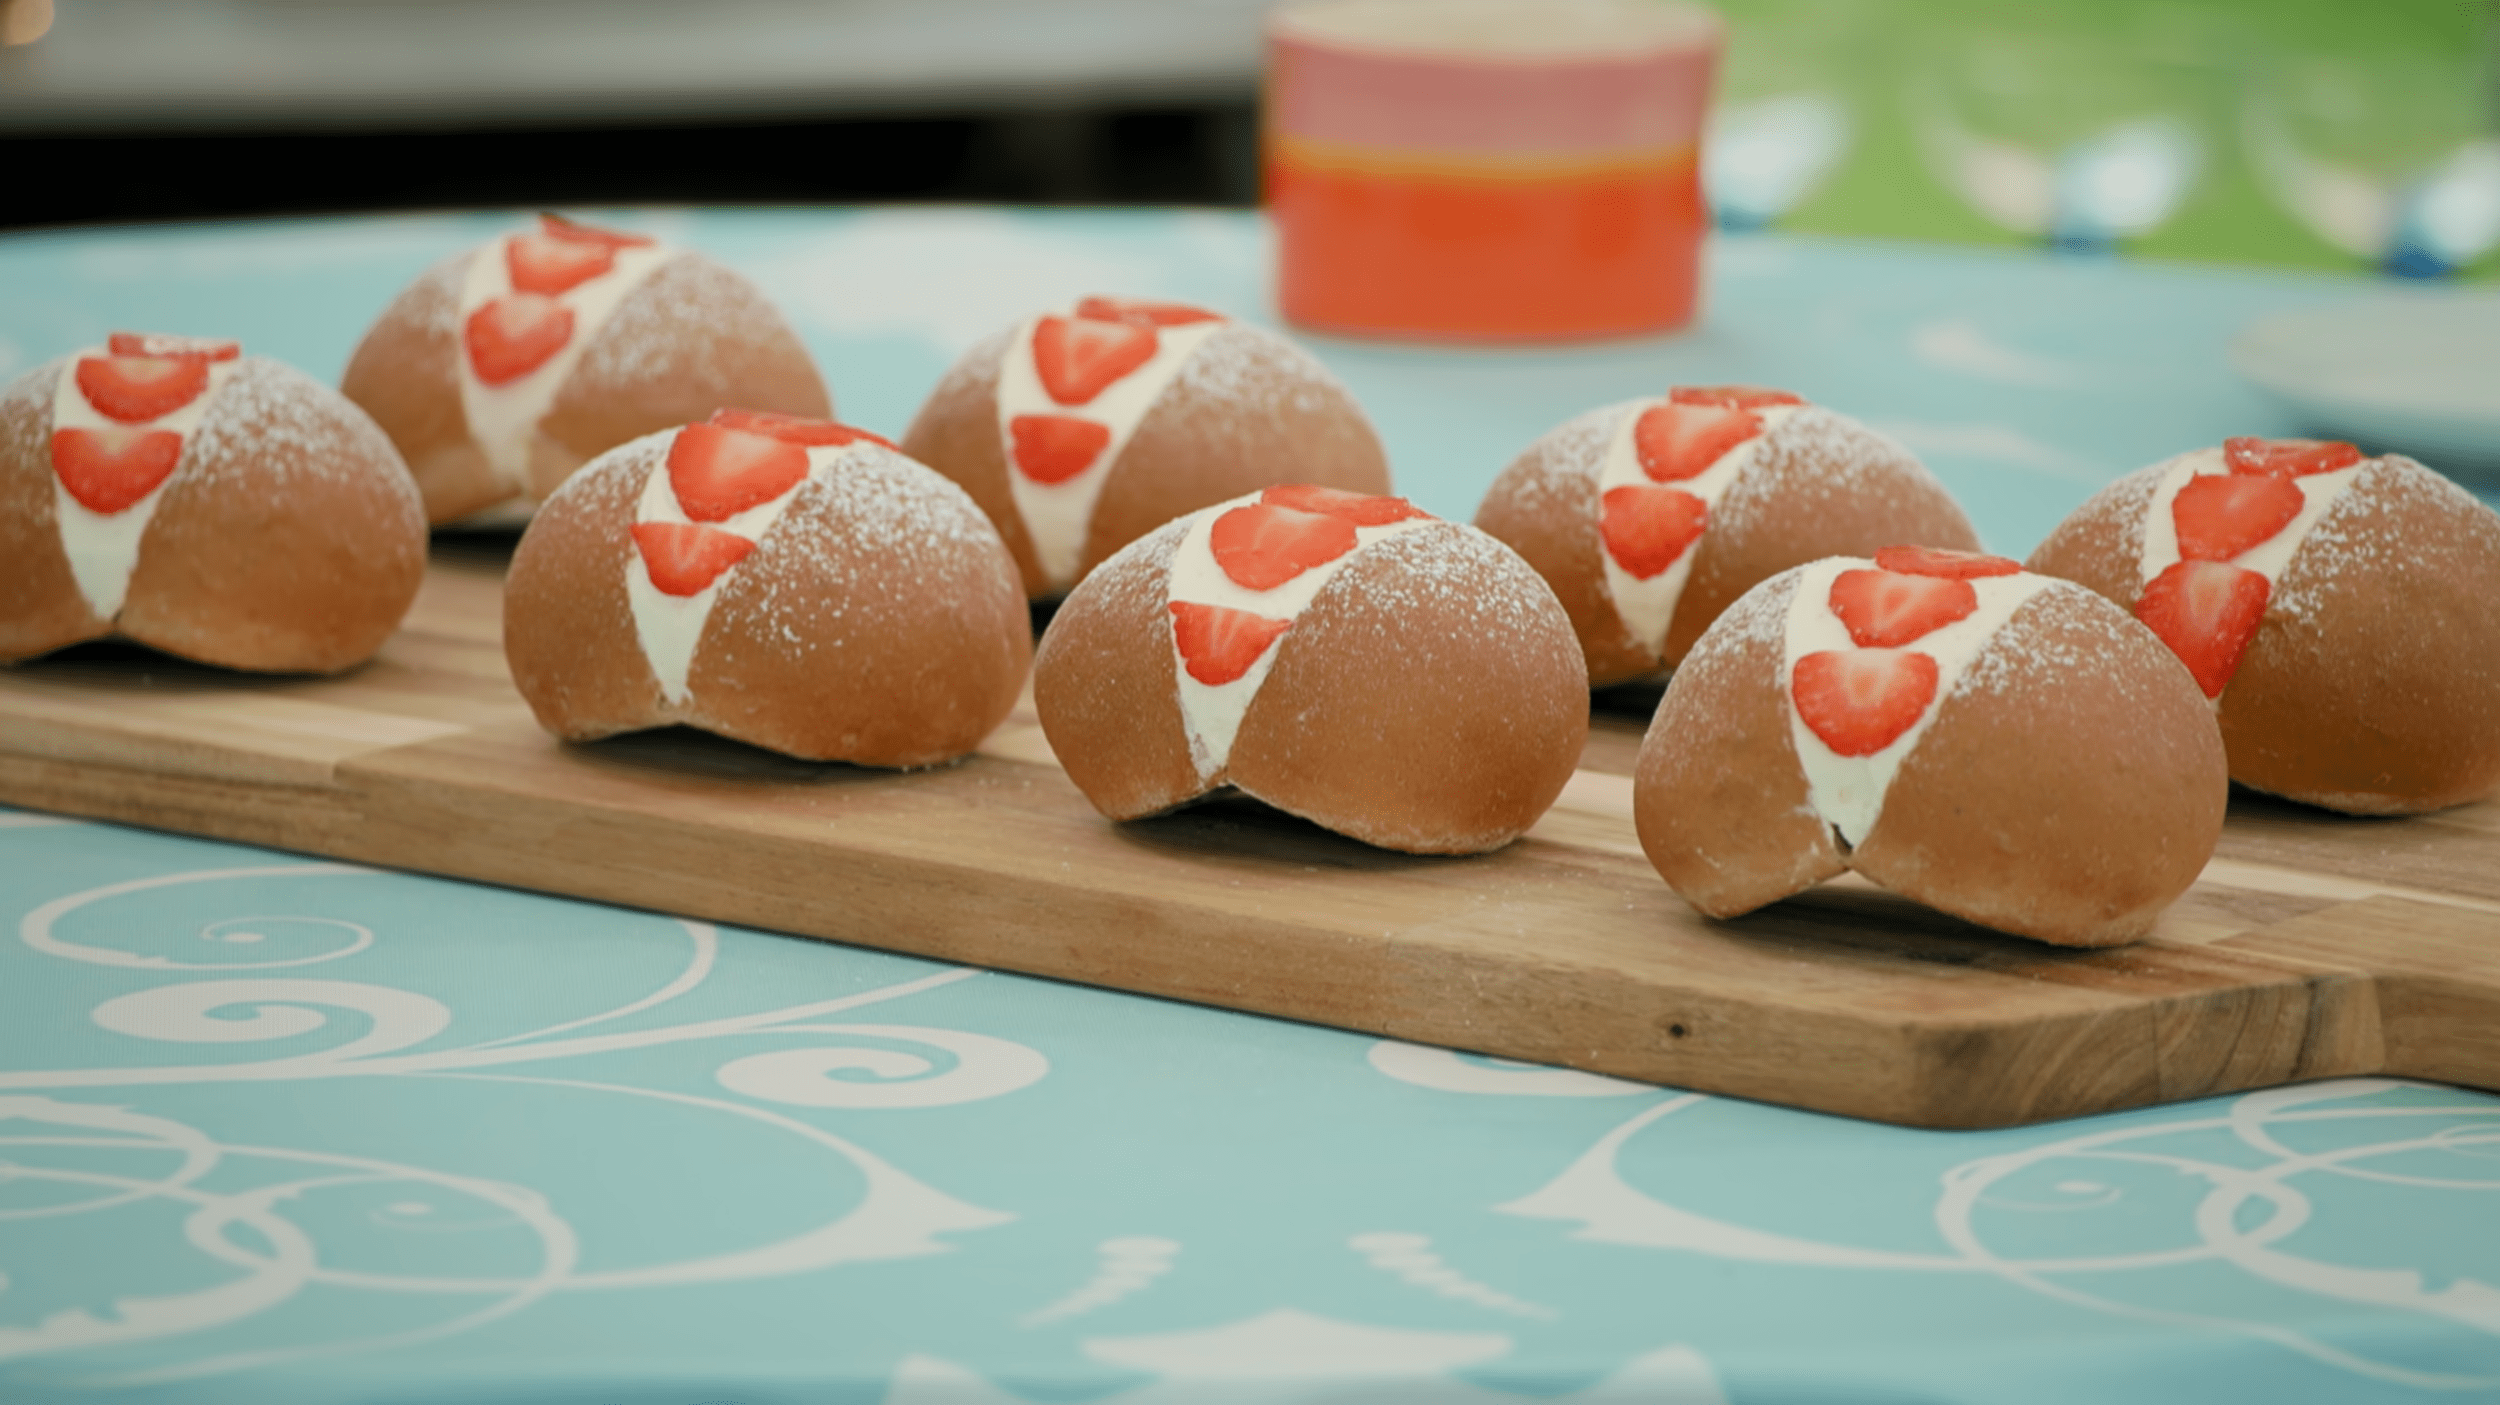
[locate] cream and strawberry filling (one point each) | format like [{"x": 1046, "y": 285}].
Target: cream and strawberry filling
[
  {"x": 1243, "y": 572},
  {"x": 2222, "y": 527},
  {"x": 1872, "y": 648},
  {"x": 528, "y": 305},
  {"x": 1071, "y": 392},
  {"x": 1667, "y": 466},
  {"x": 121, "y": 414},
  {"x": 704, "y": 509}
]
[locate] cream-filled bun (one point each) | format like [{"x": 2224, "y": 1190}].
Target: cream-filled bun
[
  {"x": 795, "y": 584},
  {"x": 503, "y": 369},
  {"x": 1406, "y": 681},
  {"x": 2005, "y": 747},
  {"x": 1081, "y": 430},
  {"x": 2342, "y": 613},
  {"x": 225, "y": 508},
  {"x": 1649, "y": 517}
]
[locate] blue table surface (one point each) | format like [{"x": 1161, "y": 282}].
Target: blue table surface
[{"x": 280, "y": 1130}]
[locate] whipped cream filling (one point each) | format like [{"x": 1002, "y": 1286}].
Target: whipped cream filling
[
  {"x": 1848, "y": 791},
  {"x": 1211, "y": 714},
  {"x": 103, "y": 548},
  {"x": 1057, "y": 516},
  {"x": 503, "y": 419},
  {"x": 2268, "y": 558},
  {"x": 670, "y": 626},
  {"x": 1647, "y": 607}
]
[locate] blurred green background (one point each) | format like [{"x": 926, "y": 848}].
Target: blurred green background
[{"x": 2373, "y": 80}]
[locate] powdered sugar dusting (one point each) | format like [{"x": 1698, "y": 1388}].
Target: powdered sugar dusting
[
  {"x": 287, "y": 429},
  {"x": 1262, "y": 372},
  {"x": 2340, "y": 547},
  {"x": 1559, "y": 471},
  {"x": 645, "y": 341},
  {"x": 1817, "y": 462},
  {"x": 2039, "y": 640},
  {"x": 1463, "y": 576}
]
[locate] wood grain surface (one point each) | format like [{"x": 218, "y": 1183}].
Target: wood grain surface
[{"x": 2314, "y": 946}]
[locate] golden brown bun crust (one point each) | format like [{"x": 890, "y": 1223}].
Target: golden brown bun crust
[
  {"x": 1248, "y": 409},
  {"x": 2070, "y": 787},
  {"x": 1820, "y": 484},
  {"x": 288, "y": 540},
  {"x": 1719, "y": 799},
  {"x": 692, "y": 338},
  {"x": 1429, "y": 699},
  {"x": 1104, "y": 685},
  {"x": 568, "y": 627},
  {"x": 2373, "y": 683},
  {"x": 40, "y": 607},
  {"x": 878, "y": 621}
]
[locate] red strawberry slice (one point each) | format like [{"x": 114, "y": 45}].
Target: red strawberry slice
[
  {"x": 1051, "y": 449},
  {"x": 1142, "y": 312},
  {"x": 1948, "y": 565},
  {"x": 1361, "y": 509},
  {"x": 512, "y": 336},
  {"x": 1885, "y": 609},
  {"x": 2206, "y": 612},
  {"x": 815, "y": 434},
  {"x": 1219, "y": 645},
  {"x": 1647, "y": 528},
  {"x": 136, "y": 389},
  {"x": 1676, "y": 442},
  {"x": 2287, "y": 458},
  {"x": 718, "y": 473},
  {"x": 1261, "y": 547},
  {"x": 558, "y": 227},
  {"x": 683, "y": 558},
  {"x": 1734, "y": 397},
  {"x": 543, "y": 263},
  {"x": 163, "y": 344},
  {"x": 1079, "y": 357},
  {"x": 1860, "y": 701},
  {"x": 2218, "y": 516},
  {"x": 109, "y": 469}
]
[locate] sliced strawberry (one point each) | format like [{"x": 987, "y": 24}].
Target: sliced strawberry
[
  {"x": 1948, "y": 565},
  {"x": 1051, "y": 449},
  {"x": 2206, "y": 612},
  {"x": 1860, "y": 701},
  {"x": 1648, "y": 528},
  {"x": 1361, "y": 509},
  {"x": 1079, "y": 357},
  {"x": 2287, "y": 458},
  {"x": 164, "y": 344},
  {"x": 109, "y": 469},
  {"x": 1142, "y": 312},
  {"x": 558, "y": 227},
  {"x": 1733, "y": 397},
  {"x": 1886, "y": 609},
  {"x": 815, "y": 434},
  {"x": 718, "y": 473},
  {"x": 683, "y": 558},
  {"x": 2221, "y": 515},
  {"x": 1676, "y": 442},
  {"x": 1261, "y": 547},
  {"x": 136, "y": 389},
  {"x": 1219, "y": 645},
  {"x": 512, "y": 336},
  {"x": 543, "y": 263}
]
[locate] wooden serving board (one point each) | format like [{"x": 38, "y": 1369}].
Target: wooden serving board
[{"x": 2314, "y": 946}]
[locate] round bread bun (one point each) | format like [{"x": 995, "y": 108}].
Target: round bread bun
[
  {"x": 794, "y": 584},
  {"x": 1215, "y": 408},
  {"x": 1709, "y": 491},
  {"x": 2063, "y": 781},
  {"x": 2367, "y": 675},
  {"x": 686, "y": 337},
  {"x": 1417, "y": 690},
  {"x": 225, "y": 508}
]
